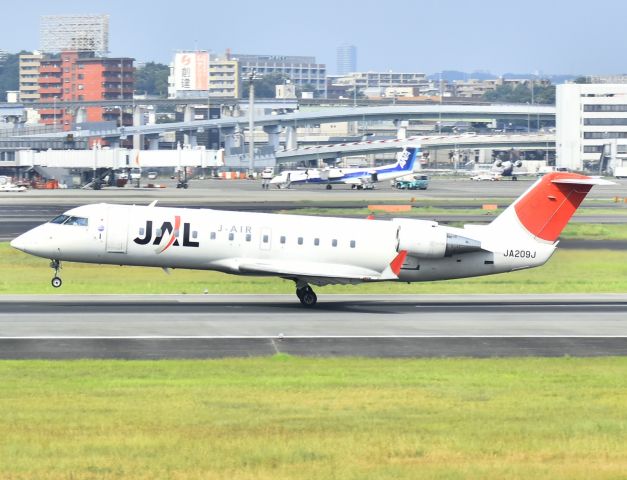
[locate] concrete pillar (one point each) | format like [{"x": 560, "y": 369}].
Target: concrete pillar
[
  {"x": 114, "y": 142},
  {"x": 401, "y": 128},
  {"x": 138, "y": 120},
  {"x": 153, "y": 142},
  {"x": 232, "y": 139},
  {"x": 291, "y": 142},
  {"x": 273, "y": 132},
  {"x": 188, "y": 116}
]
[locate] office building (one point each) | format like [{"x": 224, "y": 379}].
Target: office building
[
  {"x": 81, "y": 33},
  {"x": 196, "y": 74},
  {"x": 591, "y": 125},
  {"x": 303, "y": 71},
  {"x": 346, "y": 59},
  {"x": 29, "y": 76}
]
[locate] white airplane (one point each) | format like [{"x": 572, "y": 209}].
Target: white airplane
[
  {"x": 355, "y": 177},
  {"x": 312, "y": 250}
]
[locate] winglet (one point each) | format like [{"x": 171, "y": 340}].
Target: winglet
[{"x": 397, "y": 263}]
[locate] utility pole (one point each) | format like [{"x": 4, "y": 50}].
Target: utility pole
[{"x": 251, "y": 121}]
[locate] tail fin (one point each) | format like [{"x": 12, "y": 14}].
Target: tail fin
[
  {"x": 544, "y": 209},
  {"x": 407, "y": 159}
]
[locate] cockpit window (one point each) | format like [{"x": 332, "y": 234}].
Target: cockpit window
[
  {"x": 80, "y": 221},
  {"x": 68, "y": 220},
  {"x": 60, "y": 219}
]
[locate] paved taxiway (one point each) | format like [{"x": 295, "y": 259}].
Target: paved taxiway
[{"x": 209, "y": 326}]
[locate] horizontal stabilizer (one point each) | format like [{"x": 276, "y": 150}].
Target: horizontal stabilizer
[{"x": 583, "y": 181}]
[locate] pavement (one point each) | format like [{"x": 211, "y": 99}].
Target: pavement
[{"x": 214, "y": 326}]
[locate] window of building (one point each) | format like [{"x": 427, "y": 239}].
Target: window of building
[
  {"x": 592, "y": 148},
  {"x": 605, "y": 121}
]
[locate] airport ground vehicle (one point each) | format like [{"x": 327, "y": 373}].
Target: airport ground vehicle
[
  {"x": 417, "y": 182},
  {"x": 310, "y": 250}
]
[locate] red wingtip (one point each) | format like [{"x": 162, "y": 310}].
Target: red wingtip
[
  {"x": 370, "y": 217},
  {"x": 398, "y": 261}
]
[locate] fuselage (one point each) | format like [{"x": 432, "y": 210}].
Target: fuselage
[{"x": 225, "y": 241}]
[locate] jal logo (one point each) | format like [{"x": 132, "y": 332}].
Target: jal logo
[{"x": 169, "y": 232}]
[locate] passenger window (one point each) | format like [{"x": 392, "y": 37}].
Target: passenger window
[
  {"x": 282, "y": 238},
  {"x": 248, "y": 237},
  {"x": 300, "y": 240},
  {"x": 212, "y": 236},
  {"x": 316, "y": 241},
  {"x": 158, "y": 232},
  {"x": 231, "y": 236},
  {"x": 194, "y": 234},
  {"x": 265, "y": 239},
  {"x": 141, "y": 231},
  {"x": 352, "y": 243},
  {"x": 334, "y": 242}
]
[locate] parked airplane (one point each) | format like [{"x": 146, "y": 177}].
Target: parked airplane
[
  {"x": 312, "y": 250},
  {"x": 355, "y": 177}
]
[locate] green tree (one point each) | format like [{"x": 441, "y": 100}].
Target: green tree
[
  {"x": 581, "y": 79},
  {"x": 264, "y": 86},
  {"x": 543, "y": 94},
  {"x": 152, "y": 79}
]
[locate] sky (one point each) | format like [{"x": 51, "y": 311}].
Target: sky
[{"x": 532, "y": 36}]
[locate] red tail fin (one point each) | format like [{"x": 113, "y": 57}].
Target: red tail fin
[{"x": 546, "y": 209}]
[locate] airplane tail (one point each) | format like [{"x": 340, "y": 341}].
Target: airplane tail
[
  {"x": 545, "y": 208},
  {"x": 407, "y": 159}
]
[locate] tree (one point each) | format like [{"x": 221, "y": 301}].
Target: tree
[
  {"x": 152, "y": 79},
  {"x": 582, "y": 79},
  {"x": 542, "y": 94},
  {"x": 265, "y": 85}
]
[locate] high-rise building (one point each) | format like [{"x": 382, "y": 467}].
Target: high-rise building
[
  {"x": 29, "y": 76},
  {"x": 346, "y": 59},
  {"x": 303, "y": 71},
  {"x": 81, "y": 33},
  {"x": 82, "y": 76}
]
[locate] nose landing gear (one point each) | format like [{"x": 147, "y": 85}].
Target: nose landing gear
[
  {"x": 306, "y": 295},
  {"x": 56, "y": 280}
]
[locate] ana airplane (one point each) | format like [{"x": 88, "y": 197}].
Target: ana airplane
[
  {"x": 313, "y": 250},
  {"x": 355, "y": 177}
]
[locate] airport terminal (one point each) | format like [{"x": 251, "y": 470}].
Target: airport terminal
[{"x": 249, "y": 206}]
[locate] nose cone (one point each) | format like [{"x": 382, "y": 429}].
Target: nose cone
[{"x": 19, "y": 243}]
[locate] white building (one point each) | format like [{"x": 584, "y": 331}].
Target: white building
[
  {"x": 591, "y": 119},
  {"x": 197, "y": 74}
]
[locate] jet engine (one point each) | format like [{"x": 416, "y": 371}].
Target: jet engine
[
  {"x": 518, "y": 164},
  {"x": 428, "y": 240}
]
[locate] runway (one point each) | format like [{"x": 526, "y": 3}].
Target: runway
[{"x": 214, "y": 326}]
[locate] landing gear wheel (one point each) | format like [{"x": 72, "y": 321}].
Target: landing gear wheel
[
  {"x": 329, "y": 187},
  {"x": 306, "y": 296},
  {"x": 56, "y": 280}
]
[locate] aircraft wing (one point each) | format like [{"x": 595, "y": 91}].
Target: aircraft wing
[{"x": 321, "y": 273}]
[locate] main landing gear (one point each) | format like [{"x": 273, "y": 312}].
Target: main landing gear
[
  {"x": 56, "y": 280},
  {"x": 306, "y": 295}
]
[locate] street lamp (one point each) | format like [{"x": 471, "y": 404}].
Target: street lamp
[{"x": 251, "y": 119}]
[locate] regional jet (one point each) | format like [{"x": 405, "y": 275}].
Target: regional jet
[
  {"x": 357, "y": 178},
  {"x": 311, "y": 250}
]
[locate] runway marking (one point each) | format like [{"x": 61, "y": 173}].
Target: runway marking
[{"x": 297, "y": 337}]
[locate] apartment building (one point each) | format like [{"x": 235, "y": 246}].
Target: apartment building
[{"x": 29, "y": 76}]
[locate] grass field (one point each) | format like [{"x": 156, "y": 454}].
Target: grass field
[
  {"x": 295, "y": 418},
  {"x": 569, "y": 271}
]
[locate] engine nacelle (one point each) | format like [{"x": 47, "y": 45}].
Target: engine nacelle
[
  {"x": 498, "y": 163},
  {"x": 518, "y": 164},
  {"x": 428, "y": 240}
]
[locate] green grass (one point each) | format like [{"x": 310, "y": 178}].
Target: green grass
[
  {"x": 595, "y": 231},
  {"x": 569, "y": 271},
  {"x": 295, "y": 418}
]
